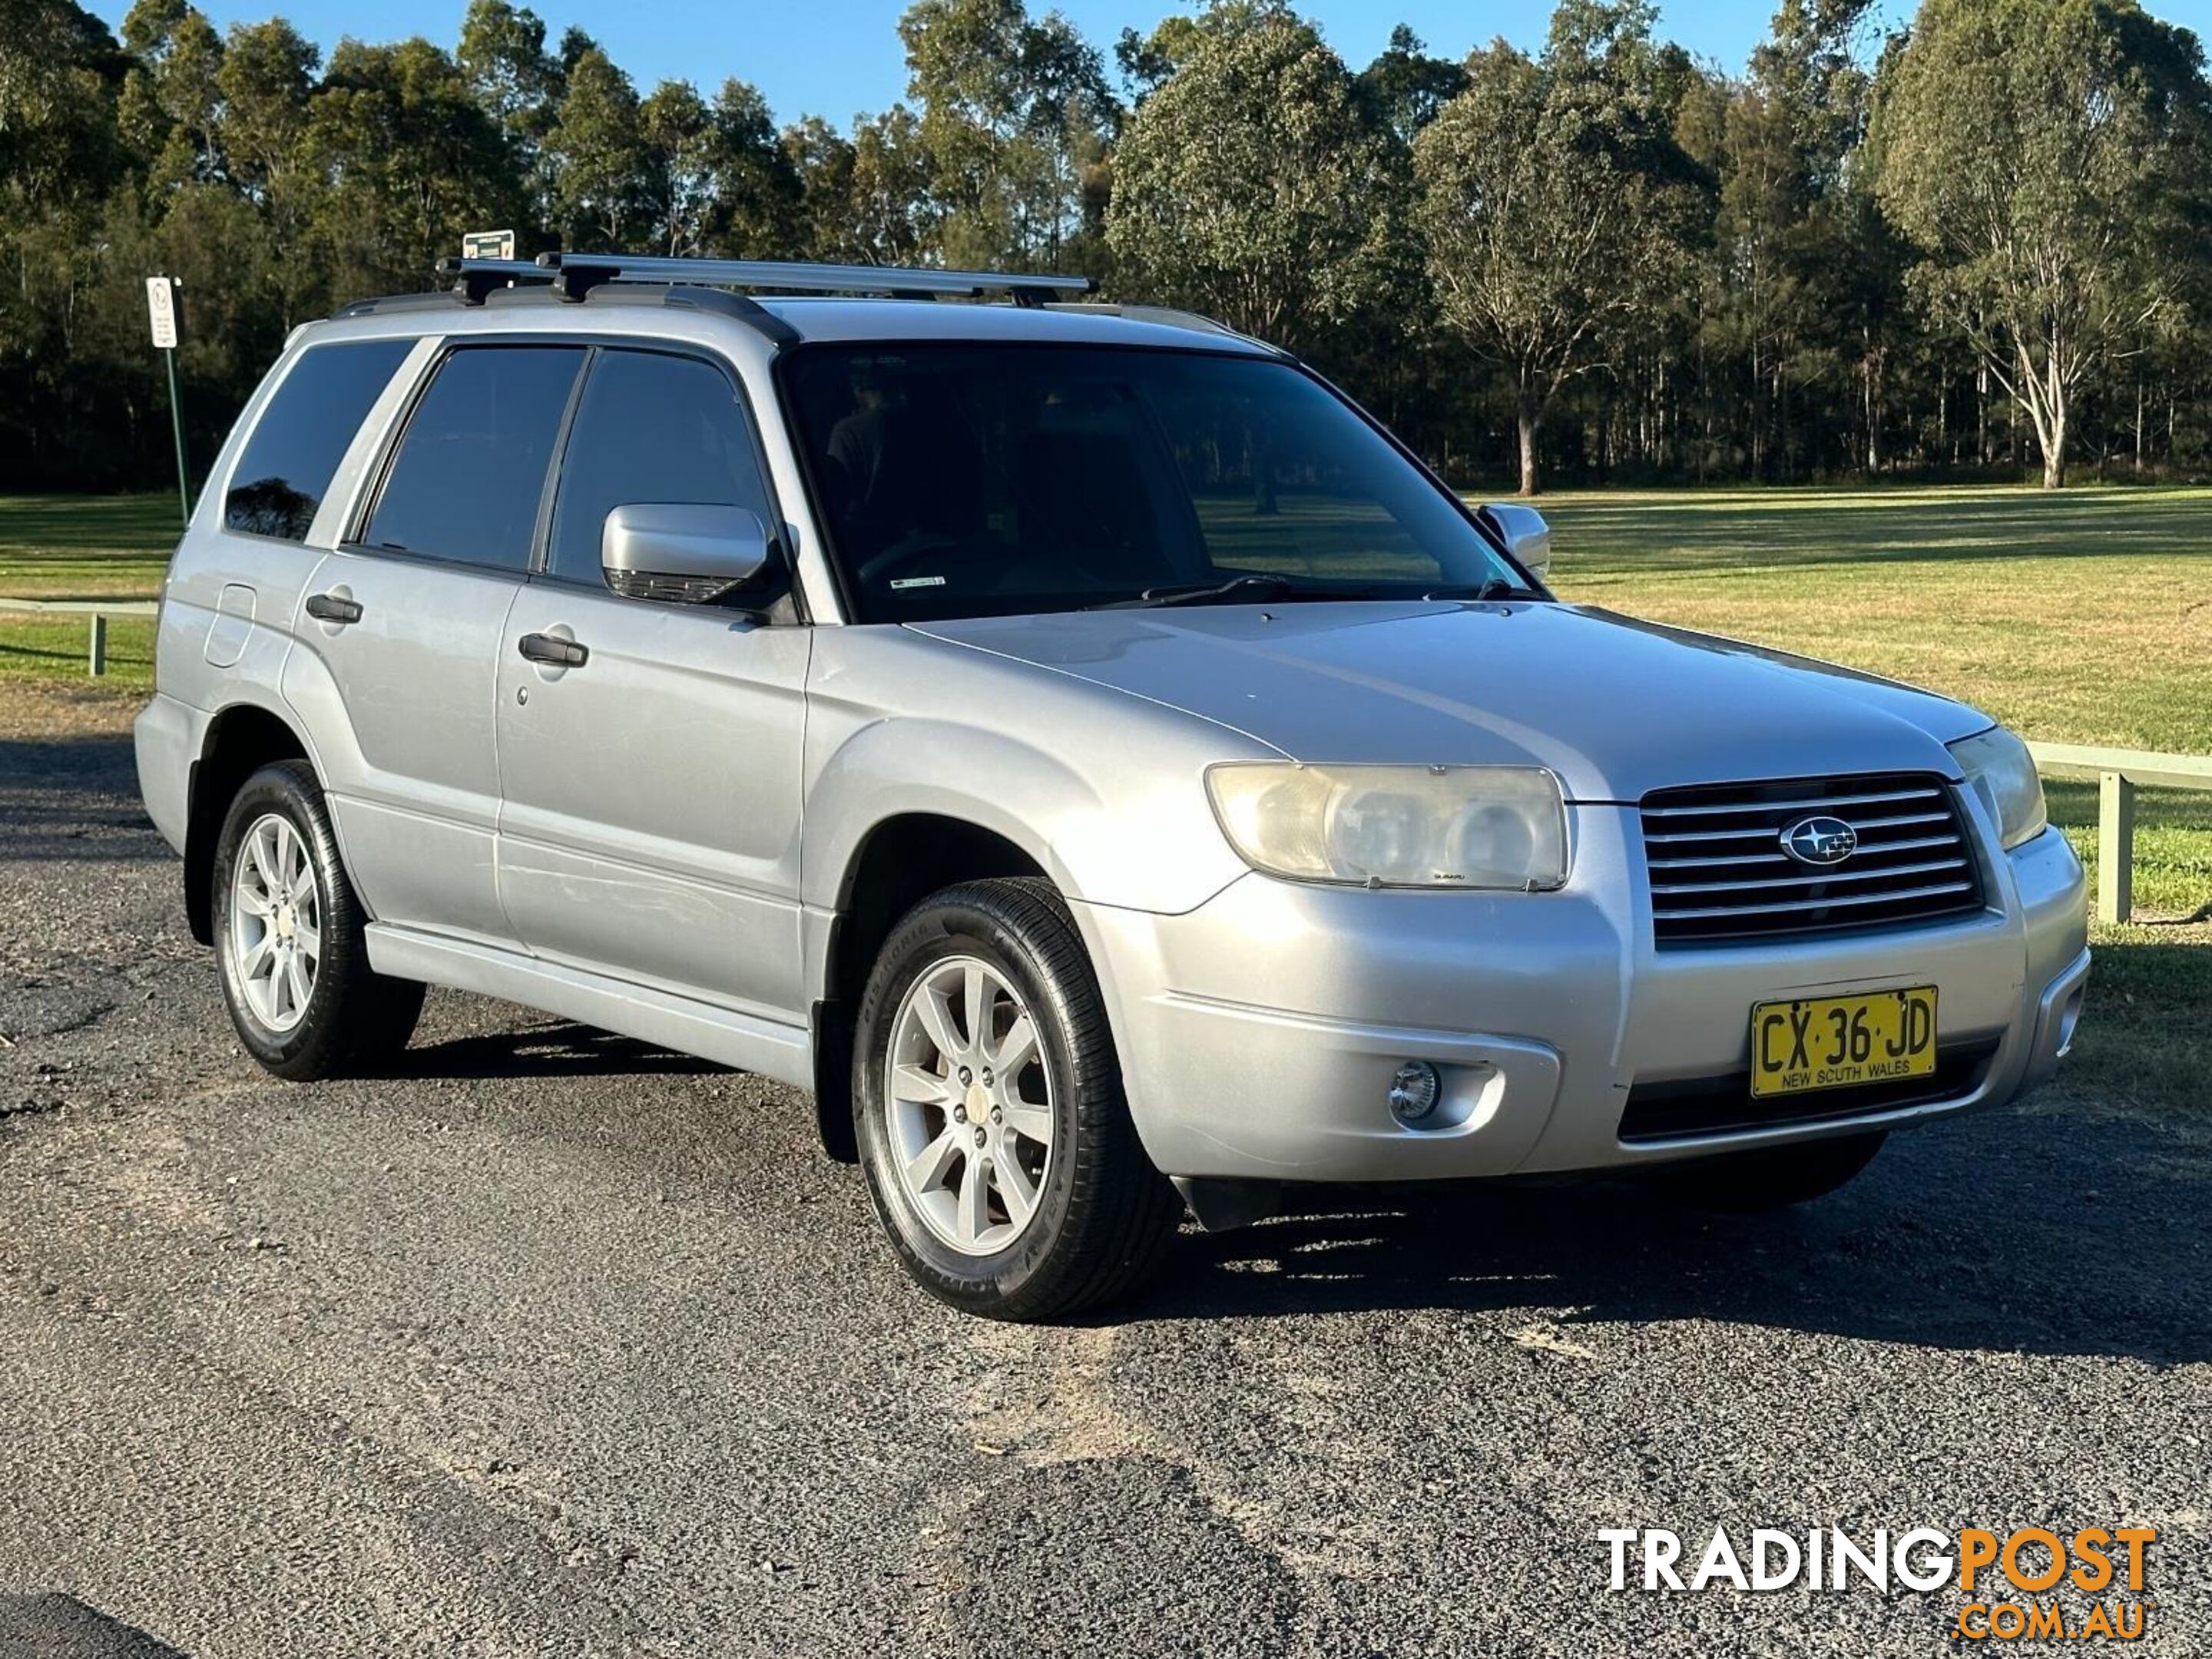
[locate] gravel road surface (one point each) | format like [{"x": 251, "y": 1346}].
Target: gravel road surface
[{"x": 552, "y": 1343}]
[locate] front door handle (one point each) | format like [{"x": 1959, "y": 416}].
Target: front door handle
[
  {"x": 333, "y": 608},
  {"x": 553, "y": 651}
]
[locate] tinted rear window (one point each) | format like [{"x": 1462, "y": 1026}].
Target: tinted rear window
[
  {"x": 302, "y": 436},
  {"x": 466, "y": 482}
]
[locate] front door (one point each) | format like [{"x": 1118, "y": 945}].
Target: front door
[
  {"x": 650, "y": 823},
  {"x": 408, "y": 621}
]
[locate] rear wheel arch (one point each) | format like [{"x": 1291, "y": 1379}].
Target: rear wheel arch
[
  {"x": 898, "y": 863},
  {"x": 240, "y": 741}
]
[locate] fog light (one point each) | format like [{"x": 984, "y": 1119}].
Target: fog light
[{"x": 1413, "y": 1092}]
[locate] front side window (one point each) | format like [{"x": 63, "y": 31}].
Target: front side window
[
  {"x": 650, "y": 428},
  {"x": 471, "y": 472},
  {"x": 963, "y": 480},
  {"x": 279, "y": 482}
]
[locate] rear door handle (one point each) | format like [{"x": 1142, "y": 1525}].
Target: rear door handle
[
  {"x": 333, "y": 608},
  {"x": 553, "y": 651}
]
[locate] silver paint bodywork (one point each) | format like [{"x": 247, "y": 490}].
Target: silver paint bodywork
[{"x": 660, "y": 842}]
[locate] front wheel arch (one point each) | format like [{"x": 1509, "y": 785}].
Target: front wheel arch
[
  {"x": 899, "y": 862},
  {"x": 1101, "y": 1215}
]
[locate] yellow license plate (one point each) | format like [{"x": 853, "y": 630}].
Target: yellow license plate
[{"x": 1833, "y": 1042}]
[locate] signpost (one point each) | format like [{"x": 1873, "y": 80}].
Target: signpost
[
  {"x": 488, "y": 244},
  {"x": 161, "y": 317}
]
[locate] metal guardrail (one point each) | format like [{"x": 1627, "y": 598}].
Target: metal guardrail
[
  {"x": 2119, "y": 772},
  {"x": 98, "y": 610}
]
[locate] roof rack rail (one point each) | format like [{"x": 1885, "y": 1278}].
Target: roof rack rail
[
  {"x": 578, "y": 273},
  {"x": 1166, "y": 317},
  {"x": 574, "y": 276}
]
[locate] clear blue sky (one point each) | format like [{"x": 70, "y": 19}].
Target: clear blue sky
[{"x": 834, "y": 58}]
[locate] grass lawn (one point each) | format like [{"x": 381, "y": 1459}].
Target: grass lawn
[
  {"x": 2083, "y": 616},
  {"x": 56, "y": 547},
  {"x": 82, "y": 547}
]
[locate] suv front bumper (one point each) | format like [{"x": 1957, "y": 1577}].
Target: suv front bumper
[{"x": 1259, "y": 1033}]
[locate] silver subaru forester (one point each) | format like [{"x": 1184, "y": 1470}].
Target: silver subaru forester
[{"x": 1075, "y": 743}]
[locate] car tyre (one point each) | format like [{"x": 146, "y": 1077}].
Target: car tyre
[
  {"x": 288, "y": 937},
  {"x": 993, "y": 1128},
  {"x": 1774, "y": 1177}
]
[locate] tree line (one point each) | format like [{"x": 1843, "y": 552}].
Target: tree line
[{"x": 1977, "y": 246}]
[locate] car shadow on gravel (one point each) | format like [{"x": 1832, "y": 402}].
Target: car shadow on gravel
[
  {"x": 545, "y": 1048},
  {"x": 58, "y": 1626},
  {"x": 73, "y": 799},
  {"x": 2015, "y": 1231}
]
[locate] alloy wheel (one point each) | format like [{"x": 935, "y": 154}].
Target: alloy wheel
[
  {"x": 968, "y": 1104},
  {"x": 276, "y": 931}
]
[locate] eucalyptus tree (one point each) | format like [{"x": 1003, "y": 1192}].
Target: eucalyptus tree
[
  {"x": 1254, "y": 185},
  {"x": 1554, "y": 205},
  {"x": 170, "y": 103},
  {"x": 1016, "y": 120},
  {"x": 407, "y": 160},
  {"x": 1407, "y": 88},
  {"x": 602, "y": 184},
  {"x": 719, "y": 180},
  {"x": 519, "y": 83},
  {"x": 2046, "y": 157}
]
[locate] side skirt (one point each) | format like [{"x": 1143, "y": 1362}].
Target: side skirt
[{"x": 745, "y": 1042}]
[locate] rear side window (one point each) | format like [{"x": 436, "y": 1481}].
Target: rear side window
[
  {"x": 280, "y": 481},
  {"x": 466, "y": 482},
  {"x": 650, "y": 428}
]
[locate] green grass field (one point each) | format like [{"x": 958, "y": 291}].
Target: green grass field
[
  {"x": 82, "y": 547},
  {"x": 2083, "y": 616},
  {"x": 2080, "y": 616}
]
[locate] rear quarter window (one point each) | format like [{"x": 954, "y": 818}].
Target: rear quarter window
[{"x": 280, "y": 481}]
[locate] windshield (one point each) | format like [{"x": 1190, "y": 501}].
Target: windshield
[{"x": 994, "y": 480}]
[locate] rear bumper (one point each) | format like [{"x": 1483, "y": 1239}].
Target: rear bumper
[
  {"x": 1259, "y": 1033},
  {"x": 167, "y": 737}
]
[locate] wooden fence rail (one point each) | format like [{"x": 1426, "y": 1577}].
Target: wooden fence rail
[
  {"x": 98, "y": 610},
  {"x": 2118, "y": 773}
]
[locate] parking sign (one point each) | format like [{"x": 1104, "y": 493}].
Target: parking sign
[{"x": 162, "y": 310}]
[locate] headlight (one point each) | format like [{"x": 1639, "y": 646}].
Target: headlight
[
  {"x": 1395, "y": 826},
  {"x": 2001, "y": 770}
]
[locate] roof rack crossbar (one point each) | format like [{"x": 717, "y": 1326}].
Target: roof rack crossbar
[
  {"x": 800, "y": 277},
  {"x": 474, "y": 278}
]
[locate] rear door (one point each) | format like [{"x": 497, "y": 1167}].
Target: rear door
[
  {"x": 406, "y": 618},
  {"x": 650, "y": 827}
]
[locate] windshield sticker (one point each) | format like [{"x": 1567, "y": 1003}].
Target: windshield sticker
[{"x": 899, "y": 582}]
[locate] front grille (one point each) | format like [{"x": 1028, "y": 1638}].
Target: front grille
[
  {"x": 1685, "y": 1108},
  {"x": 1718, "y": 871}
]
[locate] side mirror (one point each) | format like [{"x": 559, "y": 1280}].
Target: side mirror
[
  {"x": 689, "y": 554},
  {"x": 1526, "y": 536}
]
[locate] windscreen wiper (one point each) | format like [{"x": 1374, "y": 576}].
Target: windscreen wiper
[
  {"x": 1253, "y": 587},
  {"x": 1268, "y": 586},
  {"x": 1498, "y": 587}
]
